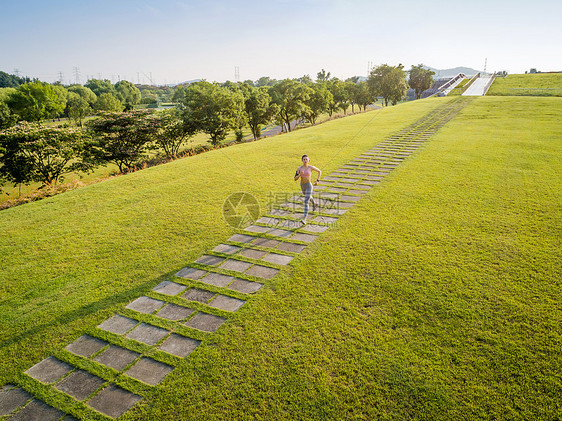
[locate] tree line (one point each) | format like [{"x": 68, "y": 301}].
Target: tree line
[{"x": 31, "y": 151}]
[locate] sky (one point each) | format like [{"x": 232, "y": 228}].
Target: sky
[{"x": 172, "y": 41}]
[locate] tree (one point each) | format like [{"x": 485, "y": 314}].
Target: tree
[
  {"x": 259, "y": 109},
  {"x": 363, "y": 95},
  {"x": 352, "y": 90},
  {"x": 108, "y": 102},
  {"x": 124, "y": 138},
  {"x": 210, "y": 109},
  {"x": 265, "y": 81},
  {"x": 127, "y": 93},
  {"x": 12, "y": 81},
  {"x": 339, "y": 94},
  {"x": 85, "y": 93},
  {"x": 290, "y": 96},
  {"x": 173, "y": 131},
  {"x": 35, "y": 101},
  {"x": 62, "y": 95},
  {"x": 44, "y": 154},
  {"x": 99, "y": 87},
  {"x": 78, "y": 108},
  {"x": 306, "y": 79},
  {"x": 388, "y": 82},
  {"x": 179, "y": 94},
  {"x": 319, "y": 101},
  {"x": 420, "y": 79},
  {"x": 322, "y": 76},
  {"x": 7, "y": 119}
]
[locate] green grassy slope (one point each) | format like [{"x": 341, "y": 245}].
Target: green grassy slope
[
  {"x": 537, "y": 84},
  {"x": 436, "y": 297},
  {"x": 67, "y": 261}
]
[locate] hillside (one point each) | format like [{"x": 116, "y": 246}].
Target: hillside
[
  {"x": 435, "y": 297},
  {"x": 538, "y": 84}
]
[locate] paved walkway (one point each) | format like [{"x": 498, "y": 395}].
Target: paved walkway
[
  {"x": 108, "y": 369},
  {"x": 479, "y": 86}
]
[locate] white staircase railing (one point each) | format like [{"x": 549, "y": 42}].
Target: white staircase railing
[{"x": 449, "y": 86}]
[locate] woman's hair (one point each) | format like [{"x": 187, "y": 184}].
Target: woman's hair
[{"x": 304, "y": 156}]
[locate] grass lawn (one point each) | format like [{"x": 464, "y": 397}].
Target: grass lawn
[
  {"x": 536, "y": 84},
  {"x": 436, "y": 297}
]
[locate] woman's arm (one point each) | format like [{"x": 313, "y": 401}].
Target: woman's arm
[
  {"x": 319, "y": 174},
  {"x": 297, "y": 174}
]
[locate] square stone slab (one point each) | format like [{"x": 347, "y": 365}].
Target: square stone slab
[
  {"x": 327, "y": 220},
  {"x": 308, "y": 238},
  {"x": 345, "y": 205},
  {"x": 37, "y": 411},
  {"x": 86, "y": 346},
  {"x": 179, "y": 346},
  {"x": 280, "y": 233},
  {"x": 116, "y": 357},
  {"x": 147, "y": 334},
  {"x": 49, "y": 370},
  {"x": 175, "y": 312},
  {"x": 264, "y": 242},
  {"x": 244, "y": 286},
  {"x": 145, "y": 305},
  {"x": 113, "y": 401},
  {"x": 253, "y": 254},
  {"x": 217, "y": 279},
  {"x": 262, "y": 272},
  {"x": 278, "y": 259},
  {"x": 191, "y": 273},
  {"x": 279, "y": 212},
  {"x": 360, "y": 192},
  {"x": 314, "y": 228},
  {"x": 241, "y": 238},
  {"x": 118, "y": 324},
  {"x": 226, "y": 249},
  {"x": 292, "y": 247},
  {"x": 335, "y": 211},
  {"x": 80, "y": 384},
  {"x": 268, "y": 220},
  {"x": 350, "y": 198},
  {"x": 223, "y": 302},
  {"x": 235, "y": 265},
  {"x": 11, "y": 398},
  {"x": 199, "y": 295},
  {"x": 256, "y": 228},
  {"x": 169, "y": 288},
  {"x": 149, "y": 371},
  {"x": 210, "y": 260},
  {"x": 206, "y": 322}
]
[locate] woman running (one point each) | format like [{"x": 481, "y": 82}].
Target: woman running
[{"x": 305, "y": 174}]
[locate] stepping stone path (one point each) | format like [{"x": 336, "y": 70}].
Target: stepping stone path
[{"x": 149, "y": 337}]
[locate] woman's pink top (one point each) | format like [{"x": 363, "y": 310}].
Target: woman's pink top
[{"x": 306, "y": 172}]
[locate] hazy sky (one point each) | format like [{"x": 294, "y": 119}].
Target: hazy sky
[{"x": 180, "y": 40}]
